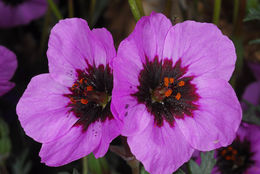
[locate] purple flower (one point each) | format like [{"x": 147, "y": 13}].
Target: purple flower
[
  {"x": 8, "y": 64},
  {"x": 68, "y": 109},
  {"x": 171, "y": 90},
  {"x": 19, "y": 12},
  {"x": 243, "y": 155}
]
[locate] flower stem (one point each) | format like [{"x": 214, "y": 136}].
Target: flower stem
[
  {"x": 134, "y": 164},
  {"x": 235, "y": 12},
  {"x": 140, "y": 7},
  {"x": 45, "y": 30},
  {"x": 54, "y": 9},
  {"x": 136, "y": 8},
  {"x": 216, "y": 14},
  {"x": 71, "y": 8},
  {"x": 85, "y": 165}
]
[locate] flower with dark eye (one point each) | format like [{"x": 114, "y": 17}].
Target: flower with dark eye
[
  {"x": 69, "y": 109},
  {"x": 243, "y": 155},
  {"x": 171, "y": 90}
]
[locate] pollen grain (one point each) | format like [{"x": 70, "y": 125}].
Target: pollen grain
[
  {"x": 84, "y": 101},
  {"x": 178, "y": 96},
  {"x": 181, "y": 83},
  {"x": 168, "y": 93}
]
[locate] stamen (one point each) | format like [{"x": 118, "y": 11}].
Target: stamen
[
  {"x": 171, "y": 80},
  {"x": 89, "y": 88},
  {"x": 230, "y": 148},
  {"x": 81, "y": 81},
  {"x": 72, "y": 100},
  {"x": 166, "y": 81},
  {"x": 181, "y": 83},
  {"x": 84, "y": 101},
  {"x": 228, "y": 157},
  {"x": 178, "y": 96},
  {"x": 168, "y": 93},
  {"x": 223, "y": 152}
]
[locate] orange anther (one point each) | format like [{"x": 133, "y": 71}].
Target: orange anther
[
  {"x": 233, "y": 158},
  {"x": 223, "y": 152},
  {"x": 74, "y": 86},
  {"x": 166, "y": 81},
  {"x": 181, "y": 83},
  {"x": 230, "y": 148},
  {"x": 228, "y": 157},
  {"x": 178, "y": 96},
  {"x": 84, "y": 101},
  {"x": 234, "y": 151},
  {"x": 171, "y": 80},
  {"x": 89, "y": 88},
  {"x": 168, "y": 93},
  {"x": 72, "y": 100},
  {"x": 81, "y": 81}
]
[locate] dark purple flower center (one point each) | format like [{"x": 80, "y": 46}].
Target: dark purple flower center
[
  {"x": 236, "y": 158},
  {"x": 165, "y": 92},
  {"x": 90, "y": 96},
  {"x": 13, "y": 2}
]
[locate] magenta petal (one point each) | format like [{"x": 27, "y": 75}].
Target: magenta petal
[
  {"x": 203, "y": 48},
  {"x": 161, "y": 150},
  {"x": 110, "y": 130},
  {"x": 216, "y": 121},
  {"x": 149, "y": 36},
  {"x": 104, "y": 37},
  {"x": 68, "y": 49},
  {"x": 72, "y": 146},
  {"x": 43, "y": 111}
]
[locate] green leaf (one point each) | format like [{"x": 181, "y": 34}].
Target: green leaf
[
  {"x": 251, "y": 4},
  {"x": 254, "y": 14},
  {"x": 5, "y": 142},
  {"x": 207, "y": 163},
  {"x": 97, "y": 166},
  {"x": 194, "y": 167},
  {"x": 250, "y": 115},
  {"x": 256, "y": 41}
]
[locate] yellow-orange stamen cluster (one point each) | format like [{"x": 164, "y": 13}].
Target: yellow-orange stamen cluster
[
  {"x": 78, "y": 86},
  {"x": 167, "y": 81}
]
